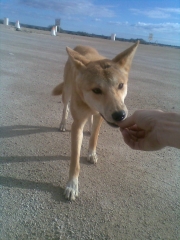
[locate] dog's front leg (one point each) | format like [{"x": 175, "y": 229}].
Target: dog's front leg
[
  {"x": 71, "y": 191},
  {"x": 92, "y": 156}
]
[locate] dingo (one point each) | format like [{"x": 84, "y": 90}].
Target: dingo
[{"x": 96, "y": 86}]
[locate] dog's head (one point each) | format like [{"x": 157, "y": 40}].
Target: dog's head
[{"x": 102, "y": 84}]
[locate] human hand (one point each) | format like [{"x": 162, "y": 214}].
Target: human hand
[{"x": 140, "y": 131}]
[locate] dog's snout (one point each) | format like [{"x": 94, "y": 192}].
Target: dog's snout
[{"x": 119, "y": 116}]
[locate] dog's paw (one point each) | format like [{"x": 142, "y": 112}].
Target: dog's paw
[
  {"x": 62, "y": 127},
  {"x": 92, "y": 157},
  {"x": 71, "y": 191}
]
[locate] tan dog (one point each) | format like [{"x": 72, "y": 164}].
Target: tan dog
[{"x": 96, "y": 86}]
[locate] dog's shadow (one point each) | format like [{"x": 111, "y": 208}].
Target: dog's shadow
[
  {"x": 21, "y": 130},
  {"x": 11, "y": 182},
  {"x": 56, "y": 191}
]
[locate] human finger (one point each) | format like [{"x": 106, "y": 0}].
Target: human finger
[
  {"x": 135, "y": 128},
  {"x": 135, "y": 132},
  {"x": 130, "y": 140},
  {"x": 128, "y": 122}
]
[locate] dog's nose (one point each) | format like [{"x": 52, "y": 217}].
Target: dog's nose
[{"x": 119, "y": 116}]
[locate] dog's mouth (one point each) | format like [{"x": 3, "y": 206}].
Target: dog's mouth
[{"x": 110, "y": 123}]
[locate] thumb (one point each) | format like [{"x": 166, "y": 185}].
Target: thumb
[{"x": 128, "y": 122}]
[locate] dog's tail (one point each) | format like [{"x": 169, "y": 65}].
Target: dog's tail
[{"x": 58, "y": 89}]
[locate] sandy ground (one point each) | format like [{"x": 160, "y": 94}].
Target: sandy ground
[{"x": 128, "y": 195}]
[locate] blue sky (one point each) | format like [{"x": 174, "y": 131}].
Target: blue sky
[{"x": 127, "y": 18}]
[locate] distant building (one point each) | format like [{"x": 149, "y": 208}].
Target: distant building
[
  {"x": 6, "y": 21},
  {"x": 58, "y": 24},
  {"x": 113, "y": 36},
  {"x": 150, "y": 37}
]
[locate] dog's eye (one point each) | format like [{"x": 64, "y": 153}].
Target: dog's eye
[
  {"x": 120, "y": 86},
  {"x": 106, "y": 66},
  {"x": 97, "y": 91}
]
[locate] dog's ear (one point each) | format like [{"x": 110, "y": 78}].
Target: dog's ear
[
  {"x": 125, "y": 58},
  {"x": 77, "y": 59}
]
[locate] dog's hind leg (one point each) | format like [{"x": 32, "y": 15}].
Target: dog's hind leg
[
  {"x": 62, "y": 126},
  {"x": 66, "y": 95},
  {"x": 58, "y": 90},
  {"x": 90, "y": 122},
  {"x": 92, "y": 156}
]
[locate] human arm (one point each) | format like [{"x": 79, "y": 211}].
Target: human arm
[{"x": 150, "y": 130}]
